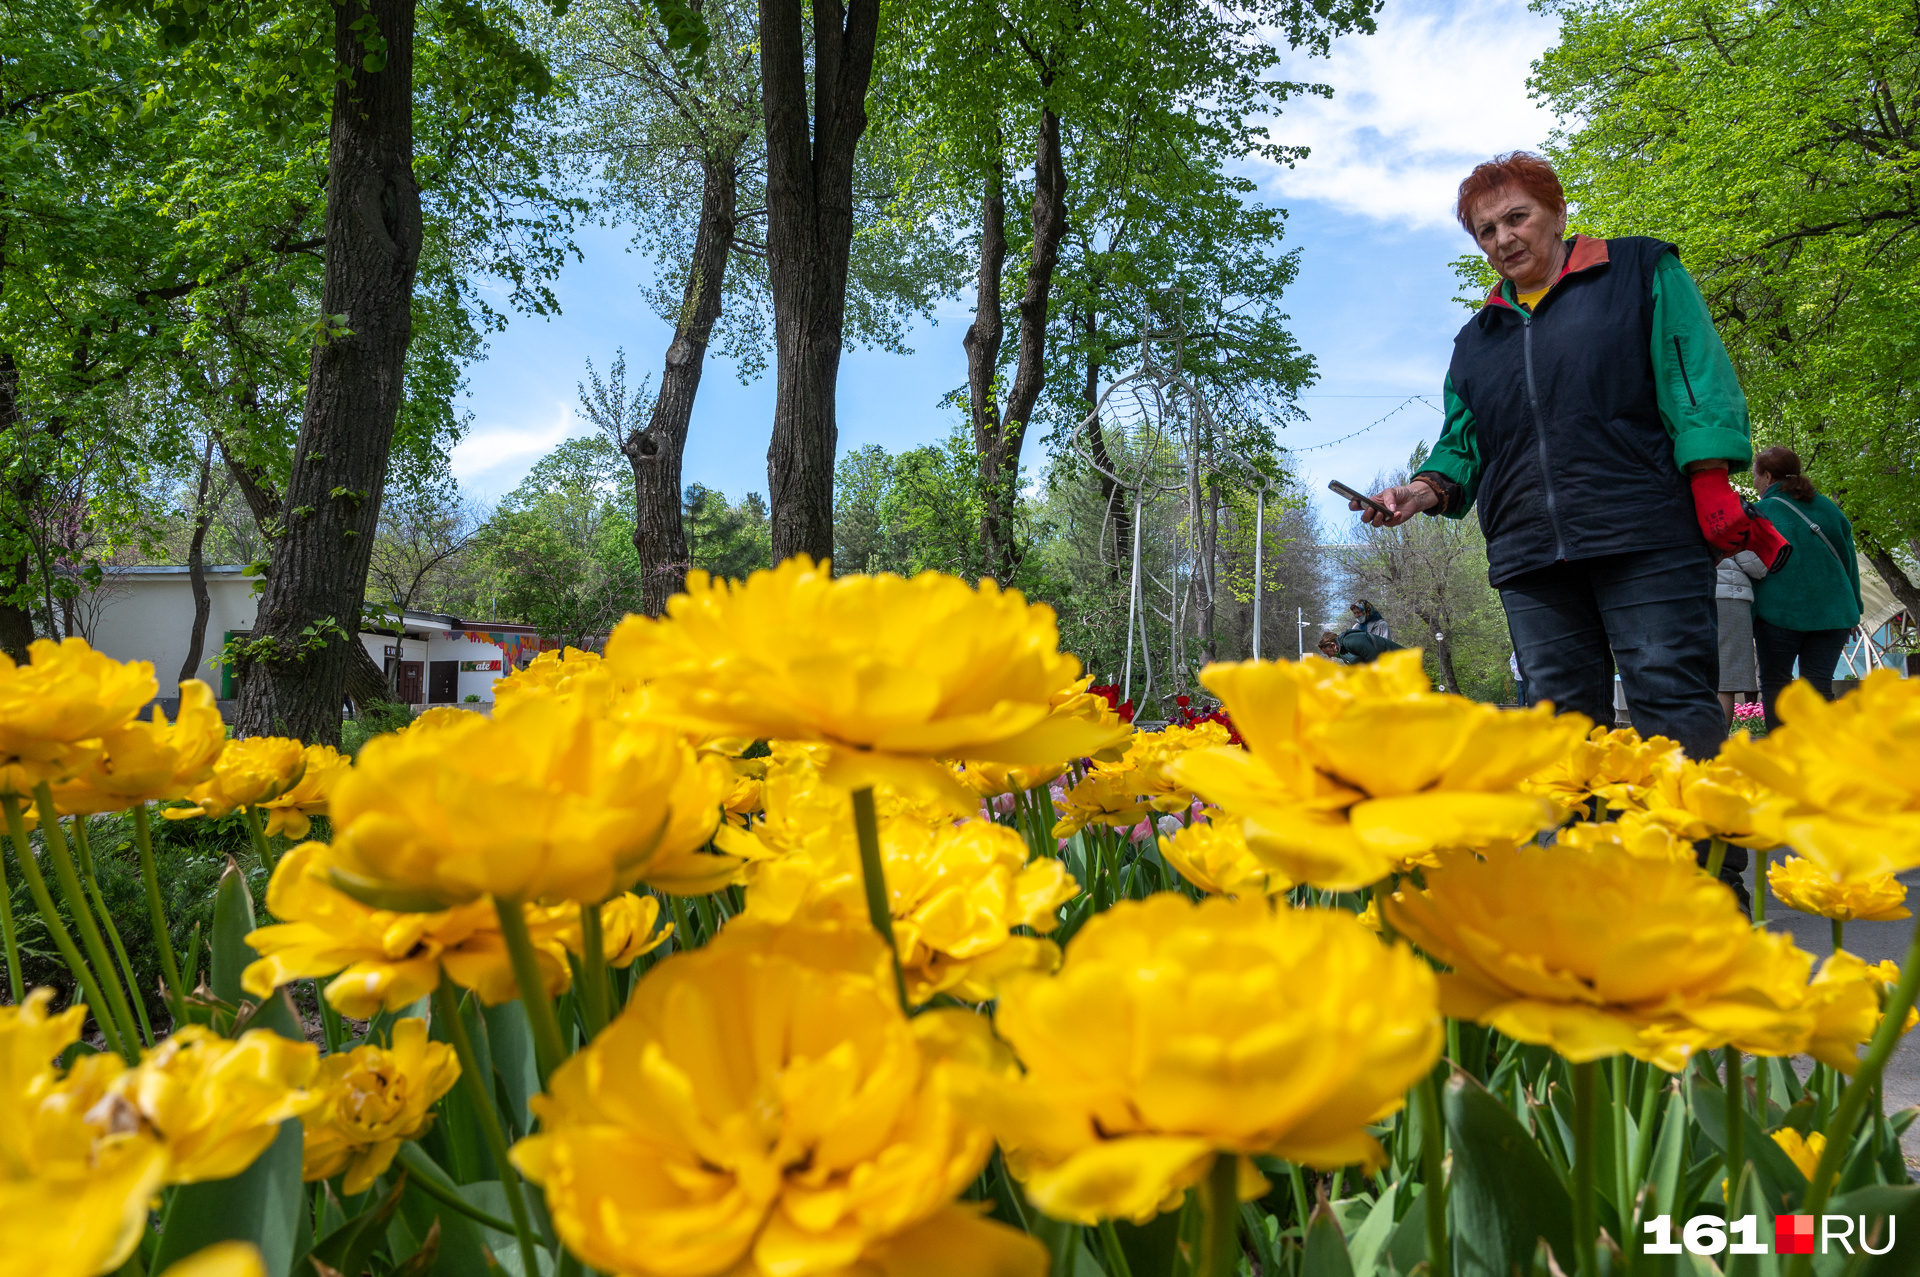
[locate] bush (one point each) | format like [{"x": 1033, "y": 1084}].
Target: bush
[
  {"x": 189, "y": 857},
  {"x": 378, "y": 718}
]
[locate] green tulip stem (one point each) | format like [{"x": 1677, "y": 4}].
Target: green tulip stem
[
  {"x": 448, "y": 1007},
  {"x": 1586, "y": 1216},
  {"x": 1433, "y": 1154},
  {"x": 547, "y": 1048},
  {"x": 1220, "y": 1202},
  {"x": 1761, "y": 860},
  {"x": 415, "y": 1159},
  {"x": 1650, "y": 1093},
  {"x": 157, "y": 913},
  {"x": 1893, "y": 1019},
  {"x": 1839, "y": 933},
  {"x": 1622, "y": 1164},
  {"x": 1736, "y": 1118},
  {"x": 1716, "y": 856},
  {"x": 595, "y": 1000},
  {"x": 9, "y": 938},
  {"x": 90, "y": 937},
  {"x": 866, "y": 824},
  {"x": 258, "y": 836},
  {"x": 62, "y": 940},
  {"x": 682, "y": 924},
  {"x": 1116, "y": 1255},
  {"x": 92, "y": 883}
]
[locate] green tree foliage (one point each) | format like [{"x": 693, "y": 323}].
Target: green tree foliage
[
  {"x": 561, "y": 545},
  {"x": 913, "y": 511},
  {"x": 1775, "y": 143},
  {"x": 727, "y": 540}
]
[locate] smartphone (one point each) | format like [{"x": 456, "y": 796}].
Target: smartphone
[{"x": 1342, "y": 489}]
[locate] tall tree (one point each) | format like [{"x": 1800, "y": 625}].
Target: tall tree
[{"x": 810, "y": 164}]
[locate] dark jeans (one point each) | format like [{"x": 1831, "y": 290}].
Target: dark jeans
[
  {"x": 1651, "y": 613},
  {"x": 1818, "y": 652}
]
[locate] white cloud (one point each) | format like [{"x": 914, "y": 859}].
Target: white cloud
[
  {"x": 1437, "y": 88},
  {"x": 492, "y": 458}
]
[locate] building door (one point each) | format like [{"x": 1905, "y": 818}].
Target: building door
[
  {"x": 407, "y": 677},
  {"x": 443, "y": 682}
]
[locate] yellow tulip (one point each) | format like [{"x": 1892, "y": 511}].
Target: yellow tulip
[
  {"x": 549, "y": 799},
  {"x": 149, "y": 762},
  {"x": 222, "y": 1259},
  {"x": 990, "y": 780},
  {"x": 553, "y": 671},
  {"x": 1174, "y": 1033},
  {"x": 956, "y": 892},
  {"x": 291, "y": 813},
  {"x": 54, "y": 709},
  {"x": 1104, "y": 796},
  {"x": 250, "y": 772},
  {"x": 762, "y": 1108},
  {"x": 1705, "y": 800},
  {"x": 889, "y": 673},
  {"x": 1801, "y": 884},
  {"x": 215, "y": 1104},
  {"x": 374, "y": 1099},
  {"x": 1805, "y": 1152},
  {"x": 1352, "y": 771},
  {"x": 74, "y": 1190},
  {"x": 1214, "y": 857},
  {"x": 1614, "y": 764},
  {"x": 386, "y": 960},
  {"x": 1634, "y": 833},
  {"x": 1594, "y": 950},
  {"x": 1843, "y": 777}
]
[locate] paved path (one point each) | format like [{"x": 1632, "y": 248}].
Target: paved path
[{"x": 1872, "y": 941}]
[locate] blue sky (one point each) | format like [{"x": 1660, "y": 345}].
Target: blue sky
[{"x": 1437, "y": 88}]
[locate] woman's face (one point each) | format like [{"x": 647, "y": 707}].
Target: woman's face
[
  {"x": 1520, "y": 236},
  {"x": 1761, "y": 480}
]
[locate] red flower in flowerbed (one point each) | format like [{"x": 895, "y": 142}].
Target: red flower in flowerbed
[
  {"x": 1110, "y": 692},
  {"x": 1186, "y": 716}
]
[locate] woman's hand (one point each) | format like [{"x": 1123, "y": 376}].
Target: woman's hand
[{"x": 1406, "y": 500}]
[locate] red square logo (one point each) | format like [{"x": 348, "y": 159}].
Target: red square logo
[{"x": 1793, "y": 1234}]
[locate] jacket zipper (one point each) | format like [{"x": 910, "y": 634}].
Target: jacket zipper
[
  {"x": 1685, "y": 380},
  {"x": 1540, "y": 438}
]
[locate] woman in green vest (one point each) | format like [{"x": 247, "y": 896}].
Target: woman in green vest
[{"x": 1805, "y": 609}]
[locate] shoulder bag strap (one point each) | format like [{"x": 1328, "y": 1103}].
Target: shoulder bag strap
[{"x": 1794, "y": 506}]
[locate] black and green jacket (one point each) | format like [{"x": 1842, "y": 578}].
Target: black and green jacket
[
  {"x": 1817, "y": 588},
  {"x": 1571, "y": 426}
]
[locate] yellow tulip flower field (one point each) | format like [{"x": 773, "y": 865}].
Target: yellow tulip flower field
[{"x": 833, "y": 928}]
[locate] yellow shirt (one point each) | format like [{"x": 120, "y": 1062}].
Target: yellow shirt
[{"x": 1530, "y": 300}]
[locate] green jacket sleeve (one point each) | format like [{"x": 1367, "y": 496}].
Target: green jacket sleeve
[
  {"x": 1700, "y": 400},
  {"x": 1457, "y": 455}
]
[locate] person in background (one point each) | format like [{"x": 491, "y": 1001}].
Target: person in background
[
  {"x": 1519, "y": 679},
  {"x": 1805, "y": 610},
  {"x": 1733, "y": 599},
  {"x": 1354, "y": 646},
  {"x": 1367, "y": 617}
]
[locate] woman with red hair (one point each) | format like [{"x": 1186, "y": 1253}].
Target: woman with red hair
[{"x": 1593, "y": 416}]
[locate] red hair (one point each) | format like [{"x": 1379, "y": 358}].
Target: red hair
[{"x": 1523, "y": 169}]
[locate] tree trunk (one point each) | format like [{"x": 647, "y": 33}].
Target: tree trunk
[
  {"x": 1006, "y": 430},
  {"x": 1210, "y": 566},
  {"x": 1897, "y": 581},
  {"x": 1110, "y": 491},
  {"x": 655, "y": 453},
  {"x": 365, "y": 683},
  {"x": 197, "y": 570},
  {"x": 809, "y": 237},
  {"x": 16, "y": 618},
  {"x": 295, "y": 679}
]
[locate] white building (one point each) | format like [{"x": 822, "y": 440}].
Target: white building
[{"x": 146, "y": 614}]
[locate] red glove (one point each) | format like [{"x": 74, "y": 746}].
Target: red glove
[
  {"x": 1765, "y": 541},
  {"x": 1717, "y": 506}
]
